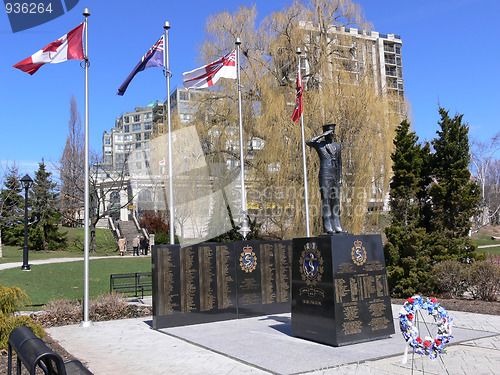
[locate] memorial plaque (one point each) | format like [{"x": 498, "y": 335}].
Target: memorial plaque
[
  {"x": 194, "y": 284},
  {"x": 276, "y": 276},
  {"x": 248, "y": 274},
  {"x": 219, "y": 281},
  {"x": 340, "y": 293}
]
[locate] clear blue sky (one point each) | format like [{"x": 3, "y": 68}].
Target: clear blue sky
[{"x": 450, "y": 57}]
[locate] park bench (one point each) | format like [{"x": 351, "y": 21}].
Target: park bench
[
  {"x": 34, "y": 354},
  {"x": 136, "y": 283}
]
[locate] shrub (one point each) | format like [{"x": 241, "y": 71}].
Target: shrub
[
  {"x": 61, "y": 312},
  {"x": 107, "y": 307},
  {"x": 11, "y": 299},
  {"x": 104, "y": 307},
  {"x": 483, "y": 280},
  {"x": 450, "y": 277}
]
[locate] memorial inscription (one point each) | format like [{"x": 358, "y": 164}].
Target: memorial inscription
[
  {"x": 341, "y": 281},
  {"x": 219, "y": 281}
]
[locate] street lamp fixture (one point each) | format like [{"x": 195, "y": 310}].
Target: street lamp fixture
[{"x": 26, "y": 181}]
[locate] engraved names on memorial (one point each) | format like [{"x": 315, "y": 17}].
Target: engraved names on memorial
[
  {"x": 355, "y": 305},
  {"x": 218, "y": 281}
]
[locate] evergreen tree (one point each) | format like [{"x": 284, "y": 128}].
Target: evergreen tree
[
  {"x": 45, "y": 216},
  {"x": 455, "y": 198},
  {"x": 408, "y": 262},
  {"x": 12, "y": 208},
  {"x": 407, "y": 161},
  {"x": 453, "y": 195},
  {"x": 433, "y": 200}
]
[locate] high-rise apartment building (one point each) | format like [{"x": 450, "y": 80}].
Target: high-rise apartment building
[
  {"x": 129, "y": 138},
  {"x": 181, "y": 106},
  {"x": 363, "y": 52}
]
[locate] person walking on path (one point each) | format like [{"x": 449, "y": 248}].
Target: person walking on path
[
  {"x": 135, "y": 245},
  {"x": 144, "y": 245},
  {"x": 122, "y": 245}
]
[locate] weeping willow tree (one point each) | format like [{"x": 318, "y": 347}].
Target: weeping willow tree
[{"x": 341, "y": 86}]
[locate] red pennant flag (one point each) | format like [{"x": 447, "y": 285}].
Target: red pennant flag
[
  {"x": 298, "y": 106},
  {"x": 69, "y": 46}
]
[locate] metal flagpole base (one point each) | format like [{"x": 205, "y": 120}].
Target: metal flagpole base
[
  {"x": 86, "y": 324},
  {"x": 245, "y": 228}
]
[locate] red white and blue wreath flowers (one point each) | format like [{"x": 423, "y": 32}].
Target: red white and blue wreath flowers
[{"x": 428, "y": 346}]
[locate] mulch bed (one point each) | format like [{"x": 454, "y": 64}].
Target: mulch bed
[{"x": 474, "y": 306}]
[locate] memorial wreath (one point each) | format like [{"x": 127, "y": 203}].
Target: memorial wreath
[{"x": 407, "y": 317}]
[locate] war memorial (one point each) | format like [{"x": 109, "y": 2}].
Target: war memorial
[{"x": 334, "y": 285}]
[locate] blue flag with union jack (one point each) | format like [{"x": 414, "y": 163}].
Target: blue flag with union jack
[{"x": 154, "y": 57}]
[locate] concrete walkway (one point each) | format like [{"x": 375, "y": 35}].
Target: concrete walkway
[
  {"x": 5, "y": 266},
  {"x": 265, "y": 345}
]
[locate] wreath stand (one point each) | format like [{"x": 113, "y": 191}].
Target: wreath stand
[
  {"x": 411, "y": 317},
  {"x": 418, "y": 316}
]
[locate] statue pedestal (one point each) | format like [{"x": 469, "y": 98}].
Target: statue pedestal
[{"x": 340, "y": 294}]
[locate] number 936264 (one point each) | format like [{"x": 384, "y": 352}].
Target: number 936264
[{"x": 28, "y": 8}]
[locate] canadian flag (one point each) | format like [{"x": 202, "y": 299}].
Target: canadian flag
[
  {"x": 209, "y": 74},
  {"x": 69, "y": 46}
]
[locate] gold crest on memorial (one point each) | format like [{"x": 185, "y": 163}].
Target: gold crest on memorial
[
  {"x": 248, "y": 260},
  {"x": 311, "y": 264},
  {"x": 358, "y": 253}
]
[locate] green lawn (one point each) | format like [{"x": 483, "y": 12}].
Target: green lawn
[
  {"x": 482, "y": 239},
  {"x": 54, "y": 281},
  {"x": 495, "y": 251},
  {"x": 106, "y": 245}
]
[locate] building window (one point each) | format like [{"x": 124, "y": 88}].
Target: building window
[
  {"x": 138, "y": 146},
  {"x": 137, "y": 118},
  {"x": 136, "y": 127},
  {"x": 126, "y": 128},
  {"x": 183, "y": 95},
  {"x": 125, "y": 119},
  {"x": 114, "y": 197},
  {"x": 147, "y": 135},
  {"x": 145, "y": 196},
  {"x": 107, "y": 141},
  {"x": 118, "y": 137},
  {"x": 127, "y": 138},
  {"x": 148, "y": 126},
  {"x": 138, "y": 136},
  {"x": 148, "y": 116}
]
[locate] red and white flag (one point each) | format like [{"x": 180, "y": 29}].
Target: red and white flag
[
  {"x": 208, "y": 75},
  {"x": 69, "y": 46},
  {"x": 298, "y": 106}
]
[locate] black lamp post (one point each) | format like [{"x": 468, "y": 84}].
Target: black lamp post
[{"x": 26, "y": 182}]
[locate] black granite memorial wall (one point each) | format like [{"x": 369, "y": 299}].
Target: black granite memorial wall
[
  {"x": 220, "y": 281},
  {"x": 340, "y": 293}
]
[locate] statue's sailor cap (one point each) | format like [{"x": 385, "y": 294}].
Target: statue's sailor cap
[{"x": 328, "y": 127}]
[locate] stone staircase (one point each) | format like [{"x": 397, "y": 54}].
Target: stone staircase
[{"x": 129, "y": 231}]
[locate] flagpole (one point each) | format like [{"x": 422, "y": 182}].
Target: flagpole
[
  {"x": 244, "y": 227},
  {"x": 166, "y": 72},
  {"x": 304, "y": 163},
  {"x": 86, "y": 322}
]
